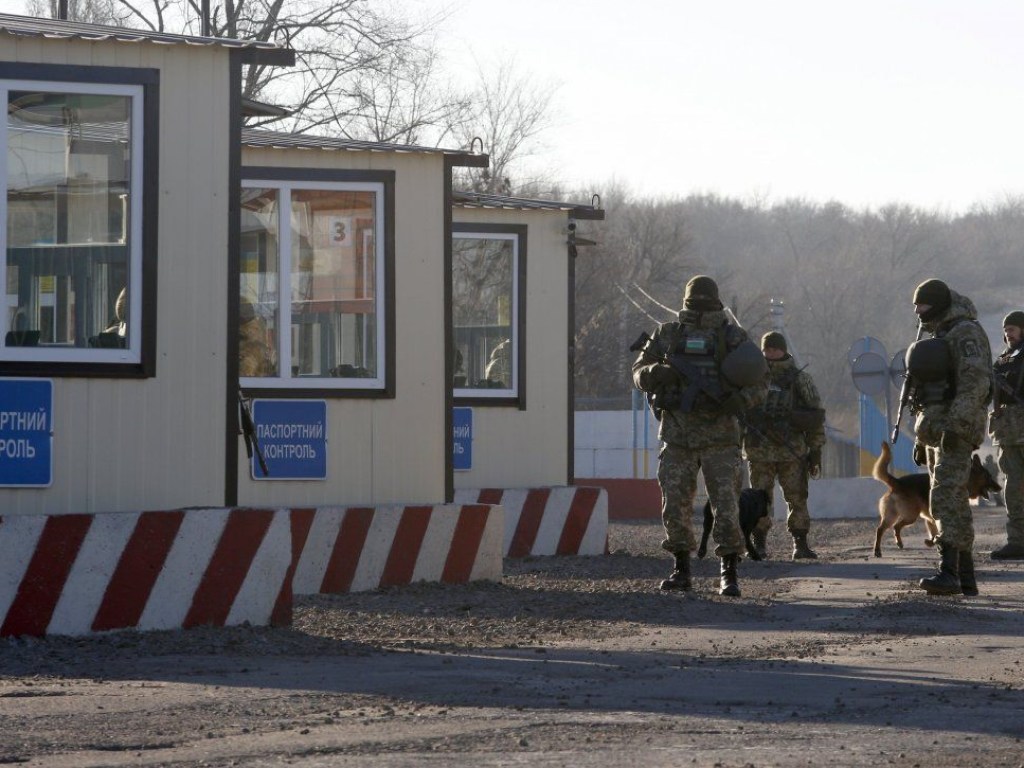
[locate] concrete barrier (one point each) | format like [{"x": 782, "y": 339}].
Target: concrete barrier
[
  {"x": 561, "y": 520},
  {"x": 629, "y": 498},
  {"x": 361, "y": 548},
  {"x": 84, "y": 573}
]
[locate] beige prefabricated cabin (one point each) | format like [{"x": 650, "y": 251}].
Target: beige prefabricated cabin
[
  {"x": 527, "y": 440},
  {"x": 145, "y": 410}
]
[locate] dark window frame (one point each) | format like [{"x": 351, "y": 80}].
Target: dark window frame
[
  {"x": 520, "y": 231},
  {"x": 149, "y": 80},
  {"x": 296, "y": 176}
]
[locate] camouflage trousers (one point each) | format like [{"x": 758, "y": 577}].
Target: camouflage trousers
[
  {"x": 793, "y": 479},
  {"x": 1011, "y": 464},
  {"x": 677, "y": 476},
  {"x": 950, "y": 505}
]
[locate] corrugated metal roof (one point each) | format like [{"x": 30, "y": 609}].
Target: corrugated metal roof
[
  {"x": 262, "y": 139},
  {"x": 486, "y": 200},
  {"x": 25, "y": 26}
]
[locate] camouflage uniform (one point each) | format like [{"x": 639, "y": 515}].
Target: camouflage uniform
[
  {"x": 1007, "y": 430},
  {"x": 774, "y": 453},
  {"x": 950, "y": 423},
  {"x": 705, "y": 439},
  {"x": 952, "y": 428}
]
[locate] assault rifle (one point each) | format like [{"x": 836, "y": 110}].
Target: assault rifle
[
  {"x": 252, "y": 445},
  {"x": 1003, "y": 387},
  {"x": 906, "y": 391},
  {"x": 696, "y": 382},
  {"x": 689, "y": 373}
]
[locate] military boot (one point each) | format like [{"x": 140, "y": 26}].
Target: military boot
[
  {"x": 679, "y": 580},
  {"x": 947, "y": 580},
  {"x": 759, "y": 537},
  {"x": 730, "y": 587},
  {"x": 801, "y": 550},
  {"x": 968, "y": 584},
  {"x": 1009, "y": 552}
]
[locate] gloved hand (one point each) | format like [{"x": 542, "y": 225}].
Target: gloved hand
[
  {"x": 733, "y": 405},
  {"x": 814, "y": 462},
  {"x": 920, "y": 454},
  {"x": 661, "y": 376}
]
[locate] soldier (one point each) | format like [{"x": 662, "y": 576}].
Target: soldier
[
  {"x": 1007, "y": 430},
  {"x": 952, "y": 383},
  {"x": 700, "y": 372},
  {"x": 784, "y": 440}
]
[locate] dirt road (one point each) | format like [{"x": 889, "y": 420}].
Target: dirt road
[{"x": 569, "y": 661}]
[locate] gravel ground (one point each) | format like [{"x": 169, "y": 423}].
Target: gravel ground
[{"x": 425, "y": 674}]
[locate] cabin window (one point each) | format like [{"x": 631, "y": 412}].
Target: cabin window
[
  {"x": 487, "y": 280},
  {"x": 311, "y": 285},
  {"x": 72, "y": 225}
]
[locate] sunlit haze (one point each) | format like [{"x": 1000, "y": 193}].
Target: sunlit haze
[{"x": 915, "y": 101}]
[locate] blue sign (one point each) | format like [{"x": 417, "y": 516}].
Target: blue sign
[
  {"x": 292, "y": 435},
  {"x": 26, "y": 432},
  {"x": 462, "y": 421}
]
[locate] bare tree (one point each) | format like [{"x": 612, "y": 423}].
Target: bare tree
[
  {"x": 109, "y": 12},
  {"x": 509, "y": 109},
  {"x": 362, "y": 71},
  {"x": 630, "y": 281},
  {"x": 407, "y": 103}
]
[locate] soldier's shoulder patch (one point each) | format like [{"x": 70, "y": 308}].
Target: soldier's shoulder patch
[{"x": 970, "y": 349}]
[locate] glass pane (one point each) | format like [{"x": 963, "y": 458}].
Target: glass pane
[
  {"x": 333, "y": 283},
  {"x": 259, "y": 304},
  {"x": 68, "y": 210},
  {"x": 482, "y": 288}
]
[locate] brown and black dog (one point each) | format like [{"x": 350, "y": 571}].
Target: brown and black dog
[{"x": 907, "y": 498}]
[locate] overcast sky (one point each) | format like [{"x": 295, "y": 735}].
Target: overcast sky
[{"x": 916, "y": 101}]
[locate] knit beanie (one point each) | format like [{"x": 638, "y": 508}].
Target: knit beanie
[
  {"x": 1014, "y": 318},
  {"x": 936, "y": 295},
  {"x": 775, "y": 340},
  {"x": 701, "y": 294}
]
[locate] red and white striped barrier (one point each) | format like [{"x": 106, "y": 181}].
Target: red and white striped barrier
[
  {"x": 355, "y": 549},
  {"x": 564, "y": 520},
  {"x": 83, "y": 573}
]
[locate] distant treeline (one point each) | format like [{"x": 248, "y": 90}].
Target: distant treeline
[{"x": 842, "y": 274}]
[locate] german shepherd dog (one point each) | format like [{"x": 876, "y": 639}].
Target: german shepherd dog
[
  {"x": 907, "y": 498},
  {"x": 754, "y": 504}
]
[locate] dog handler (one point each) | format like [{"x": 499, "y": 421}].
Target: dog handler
[
  {"x": 1007, "y": 430},
  {"x": 951, "y": 380},
  {"x": 790, "y": 432},
  {"x": 699, "y": 427}
]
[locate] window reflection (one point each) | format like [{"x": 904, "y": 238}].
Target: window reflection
[
  {"x": 69, "y": 166},
  {"x": 483, "y": 302}
]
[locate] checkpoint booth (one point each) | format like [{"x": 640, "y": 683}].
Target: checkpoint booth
[
  {"x": 159, "y": 261},
  {"x": 513, "y": 327}
]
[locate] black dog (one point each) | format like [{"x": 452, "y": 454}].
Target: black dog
[{"x": 754, "y": 504}]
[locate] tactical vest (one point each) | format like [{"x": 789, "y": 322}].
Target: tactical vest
[
  {"x": 930, "y": 369},
  {"x": 781, "y": 398},
  {"x": 703, "y": 349},
  {"x": 1009, "y": 374}
]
